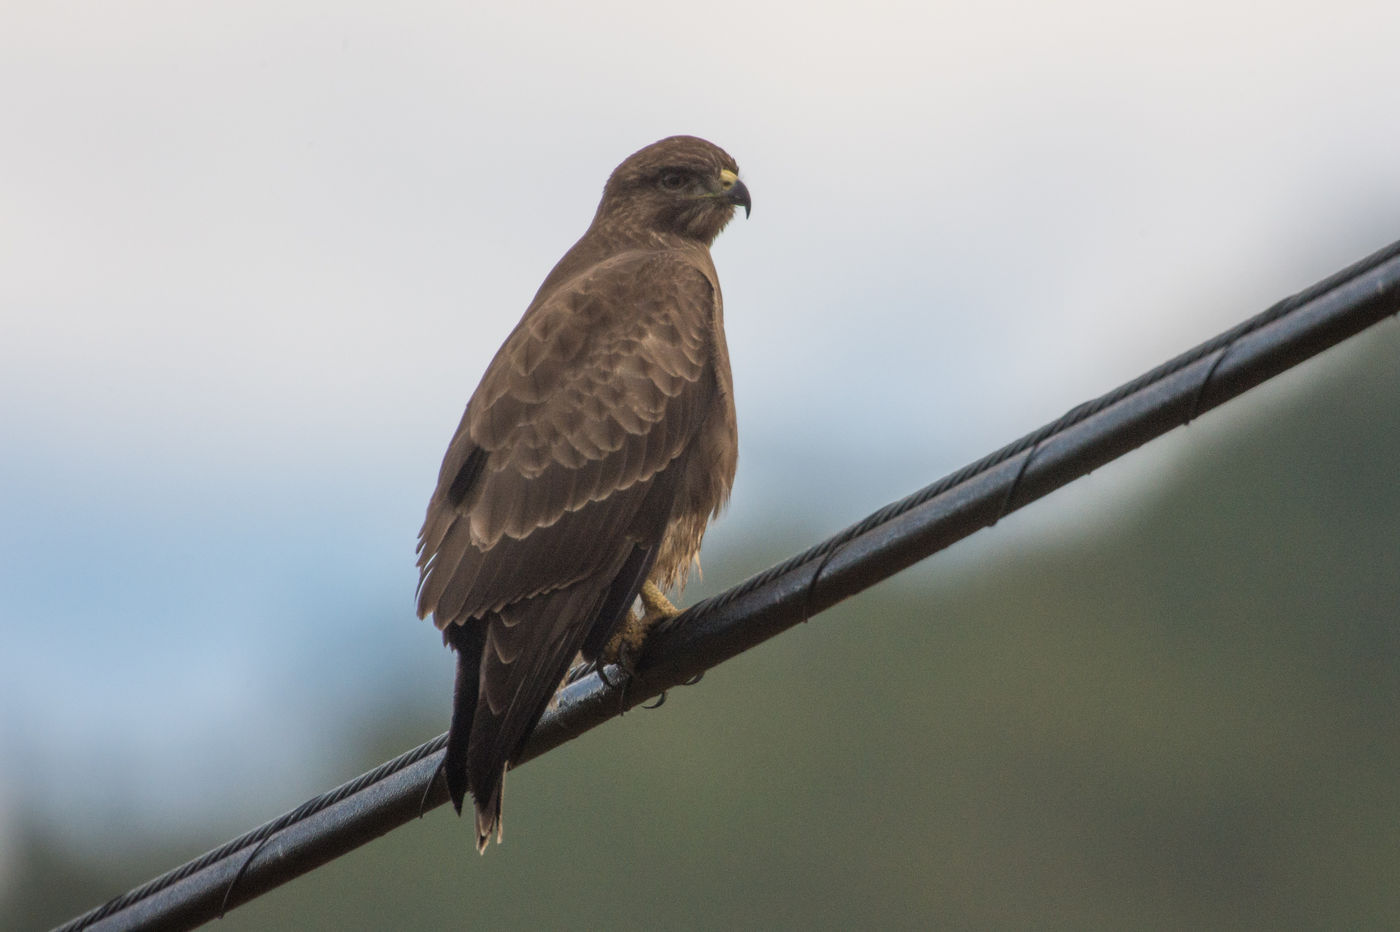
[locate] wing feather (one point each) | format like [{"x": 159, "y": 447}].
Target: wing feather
[{"x": 592, "y": 396}]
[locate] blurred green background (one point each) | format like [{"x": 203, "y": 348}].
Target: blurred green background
[{"x": 1182, "y": 716}]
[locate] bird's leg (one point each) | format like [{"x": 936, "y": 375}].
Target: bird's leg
[
  {"x": 658, "y": 607},
  {"x": 625, "y": 647}
]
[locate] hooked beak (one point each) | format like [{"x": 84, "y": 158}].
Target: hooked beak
[{"x": 735, "y": 191}]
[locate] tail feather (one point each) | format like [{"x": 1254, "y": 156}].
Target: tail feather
[
  {"x": 488, "y": 815},
  {"x": 468, "y": 641},
  {"x": 509, "y": 665}
]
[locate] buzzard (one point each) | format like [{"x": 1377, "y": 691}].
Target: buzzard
[{"x": 589, "y": 461}]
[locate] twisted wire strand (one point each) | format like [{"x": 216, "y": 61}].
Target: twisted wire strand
[{"x": 254, "y": 838}]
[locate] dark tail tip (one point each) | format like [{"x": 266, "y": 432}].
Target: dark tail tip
[
  {"x": 467, "y": 643},
  {"x": 456, "y": 785}
]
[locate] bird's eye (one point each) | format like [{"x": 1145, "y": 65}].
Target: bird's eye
[{"x": 673, "y": 180}]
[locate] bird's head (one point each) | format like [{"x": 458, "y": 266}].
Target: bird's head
[{"x": 681, "y": 185}]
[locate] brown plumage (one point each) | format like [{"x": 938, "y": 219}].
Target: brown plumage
[{"x": 597, "y": 447}]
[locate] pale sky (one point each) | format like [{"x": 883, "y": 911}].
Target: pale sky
[{"x": 256, "y": 255}]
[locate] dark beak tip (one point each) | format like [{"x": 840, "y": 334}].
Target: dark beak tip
[{"x": 739, "y": 197}]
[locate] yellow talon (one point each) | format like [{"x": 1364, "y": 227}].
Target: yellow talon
[{"x": 625, "y": 647}]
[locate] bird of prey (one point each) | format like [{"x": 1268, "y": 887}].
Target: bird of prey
[{"x": 589, "y": 461}]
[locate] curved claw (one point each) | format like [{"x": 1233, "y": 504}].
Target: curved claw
[{"x": 660, "y": 701}]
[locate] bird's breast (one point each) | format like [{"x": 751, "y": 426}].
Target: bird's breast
[{"x": 707, "y": 475}]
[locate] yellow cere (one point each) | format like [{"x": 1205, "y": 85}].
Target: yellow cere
[{"x": 727, "y": 178}]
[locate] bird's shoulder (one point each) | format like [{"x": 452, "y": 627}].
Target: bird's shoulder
[
  {"x": 617, "y": 339},
  {"x": 621, "y": 289}
]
